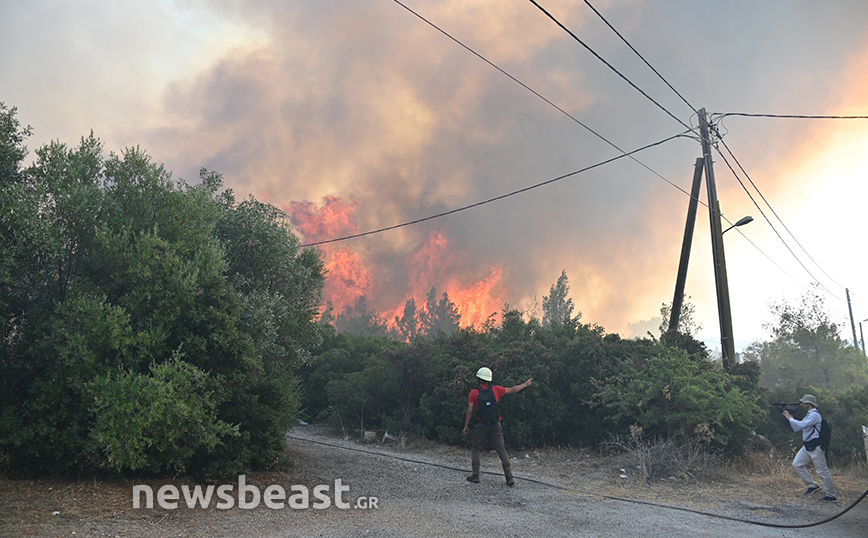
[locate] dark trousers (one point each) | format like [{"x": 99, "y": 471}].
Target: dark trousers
[{"x": 494, "y": 435}]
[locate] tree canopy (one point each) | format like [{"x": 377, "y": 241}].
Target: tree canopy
[
  {"x": 806, "y": 348},
  {"x": 557, "y": 306},
  {"x": 149, "y": 326}
]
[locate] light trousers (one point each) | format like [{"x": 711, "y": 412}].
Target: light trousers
[{"x": 818, "y": 457}]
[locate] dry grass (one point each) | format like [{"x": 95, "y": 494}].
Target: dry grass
[
  {"x": 32, "y": 504},
  {"x": 39, "y": 507},
  {"x": 759, "y": 477},
  {"x": 768, "y": 471}
]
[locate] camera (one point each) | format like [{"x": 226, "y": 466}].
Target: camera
[{"x": 791, "y": 407}]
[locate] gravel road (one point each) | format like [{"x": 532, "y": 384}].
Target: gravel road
[
  {"x": 429, "y": 500},
  {"x": 432, "y": 499}
]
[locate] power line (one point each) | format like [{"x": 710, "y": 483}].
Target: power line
[
  {"x": 721, "y": 116},
  {"x": 576, "y": 120},
  {"x": 776, "y": 214},
  {"x": 522, "y": 84},
  {"x": 752, "y": 199},
  {"x": 858, "y": 303},
  {"x": 651, "y": 67},
  {"x": 789, "y": 116},
  {"x": 761, "y": 251},
  {"x": 496, "y": 198},
  {"x": 536, "y": 93},
  {"x": 610, "y": 66},
  {"x": 600, "y": 15},
  {"x": 640, "y": 56},
  {"x": 859, "y": 306},
  {"x": 770, "y": 223},
  {"x": 514, "y": 79}
]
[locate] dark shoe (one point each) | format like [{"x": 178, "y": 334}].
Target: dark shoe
[
  {"x": 830, "y": 499},
  {"x": 473, "y": 478},
  {"x": 812, "y": 490},
  {"x": 510, "y": 482}
]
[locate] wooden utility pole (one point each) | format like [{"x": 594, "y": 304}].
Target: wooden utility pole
[
  {"x": 862, "y": 337},
  {"x": 852, "y": 325},
  {"x": 680, "y": 281},
  {"x": 727, "y": 343}
]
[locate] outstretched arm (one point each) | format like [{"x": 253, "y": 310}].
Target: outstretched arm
[{"x": 519, "y": 388}]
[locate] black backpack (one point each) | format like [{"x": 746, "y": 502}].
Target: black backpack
[
  {"x": 488, "y": 411},
  {"x": 823, "y": 439},
  {"x": 825, "y": 434}
]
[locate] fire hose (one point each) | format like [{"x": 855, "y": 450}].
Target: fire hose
[{"x": 593, "y": 494}]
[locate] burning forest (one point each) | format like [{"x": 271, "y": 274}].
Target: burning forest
[{"x": 469, "y": 295}]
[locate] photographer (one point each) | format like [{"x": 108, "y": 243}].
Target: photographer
[{"x": 811, "y": 450}]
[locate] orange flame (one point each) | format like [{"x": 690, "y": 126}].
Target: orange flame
[
  {"x": 477, "y": 302},
  {"x": 347, "y": 275},
  {"x": 348, "y": 279},
  {"x": 333, "y": 219},
  {"x": 434, "y": 263},
  {"x": 428, "y": 264}
]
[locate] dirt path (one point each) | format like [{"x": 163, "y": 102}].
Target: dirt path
[{"x": 432, "y": 499}]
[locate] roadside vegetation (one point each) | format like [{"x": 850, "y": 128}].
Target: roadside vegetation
[
  {"x": 155, "y": 328},
  {"x": 148, "y": 326},
  {"x": 591, "y": 389}
]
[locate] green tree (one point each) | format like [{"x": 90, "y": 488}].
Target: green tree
[
  {"x": 47, "y": 228},
  {"x": 341, "y": 354},
  {"x": 17, "y": 203},
  {"x": 557, "y": 306},
  {"x": 357, "y": 318},
  {"x": 142, "y": 312},
  {"x": 12, "y": 148},
  {"x": 686, "y": 322},
  {"x": 587, "y": 384},
  {"x": 407, "y": 326},
  {"x": 438, "y": 316},
  {"x": 21, "y": 233},
  {"x": 280, "y": 284},
  {"x": 806, "y": 348}
]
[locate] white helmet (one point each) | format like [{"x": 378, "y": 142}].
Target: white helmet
[{"x": 484, "y": 374}]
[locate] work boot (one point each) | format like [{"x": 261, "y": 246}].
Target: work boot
[
  {"x": 507, "y": 472},
  {"x": 473, "y": 478}
]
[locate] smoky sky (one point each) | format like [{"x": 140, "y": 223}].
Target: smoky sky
[{"x": 361, "y": 100}]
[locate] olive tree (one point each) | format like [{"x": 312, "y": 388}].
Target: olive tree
[{"x": 149, "y": 325}]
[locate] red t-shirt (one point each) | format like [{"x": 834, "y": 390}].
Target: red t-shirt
[{"x": 474, "y": 395}]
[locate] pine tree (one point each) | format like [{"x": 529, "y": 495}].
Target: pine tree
[{"x": 557, "y": 308}]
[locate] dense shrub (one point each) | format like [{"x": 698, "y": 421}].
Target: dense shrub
[
  {"x": 587, "y": 385},
  {"x": 148, "y": 326},
  {"x": 154, "y": 422}
]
